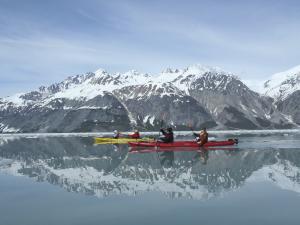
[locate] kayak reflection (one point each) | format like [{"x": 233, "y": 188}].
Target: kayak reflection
[
  {"x": 167, "y": 155},
  {"x": 182, "y": 149},
  {"x": 203, "y": 155},
  {"x": 167, "y": 158}
]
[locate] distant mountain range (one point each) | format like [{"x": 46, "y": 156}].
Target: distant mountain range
[{"x": 197, "y": 95}]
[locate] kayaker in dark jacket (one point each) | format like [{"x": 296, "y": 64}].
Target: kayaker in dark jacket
[
  {"x": 167, "y": 135},
  {"x": 116, "y": 134}
]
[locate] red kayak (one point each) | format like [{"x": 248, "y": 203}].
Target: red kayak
[{"x": 189, "y": 144}]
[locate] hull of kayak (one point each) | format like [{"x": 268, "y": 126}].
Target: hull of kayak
[
  {"x": 106, "y": 140},
  {"x": 184, "y": 144}
]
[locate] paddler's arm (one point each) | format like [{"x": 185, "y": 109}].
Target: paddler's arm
[
  {"x": 200, "y": 143},
  {"x": 162, "y": 131},
  {"x": 123, "y": 135}
]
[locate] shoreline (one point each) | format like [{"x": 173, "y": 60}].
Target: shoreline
[{"x": 89, "y": 134}]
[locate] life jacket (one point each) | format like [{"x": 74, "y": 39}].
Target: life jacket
[
  {"x": 169, "y": 136},
  {"x": 135, "y": 135},
  {"x": 204, "y": 137}
]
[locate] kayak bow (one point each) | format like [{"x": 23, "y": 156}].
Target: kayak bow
[{"x": 107, "y": 140}]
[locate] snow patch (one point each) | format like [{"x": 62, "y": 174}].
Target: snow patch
[
  {"x": 268, "y": 116},
  {"x": 283, "y": 84},
  {"x": 244, "y": 107},
  {"x": 6, "y": 129}
]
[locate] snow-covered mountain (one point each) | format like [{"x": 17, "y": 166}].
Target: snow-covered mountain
[
  {"x": 283, "y": 84},
  {"x": 198, "y": 95},
  {"x": 284, "y": 88}
]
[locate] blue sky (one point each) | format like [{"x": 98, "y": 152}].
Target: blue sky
[{"x": 45, "y": 41}]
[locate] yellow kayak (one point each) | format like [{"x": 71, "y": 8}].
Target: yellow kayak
[{"x": 107, "y": 140}]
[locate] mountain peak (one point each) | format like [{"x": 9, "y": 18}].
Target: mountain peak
[
  {"x": 282, "y": 84},
  {"x": 132, "y": 73},
  {"x": 278, "y": 78},
  {"x": 170, "y": 70},
  {"x": 198, "y": 69},
  {"x": 100, "y": 71}
]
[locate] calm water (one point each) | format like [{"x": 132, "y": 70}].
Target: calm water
[{"x": 69, "y": 180}]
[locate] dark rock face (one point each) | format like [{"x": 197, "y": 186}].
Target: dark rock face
[
  {"x": 63, "y": 115},
  {"x": 233, "y": 104},
  {"x": 291, "y": 106},
  {"x": 151, "y": 105},
  {"x": 236, "y": 119}
]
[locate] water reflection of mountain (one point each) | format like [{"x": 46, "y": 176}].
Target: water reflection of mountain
[{"x": 79, "y": 166}]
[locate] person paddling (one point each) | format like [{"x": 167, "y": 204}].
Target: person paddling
[
  {"x": 135, "y": 135},
  {"x": 116, "y": 134},
  {"x": 167, "y": 135},
  {"x": 202, "y": 138}
]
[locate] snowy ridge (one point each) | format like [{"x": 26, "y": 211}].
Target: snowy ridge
[
  {"x": 145, "y": 91},
  {"x": 281, "y": 85},
  {"x": 183, "y": 79},
  {"x": 90, "y": 85},
  {"x": 80, "y": 87},
  {"x": 179, "y": 81},
  {"x": 98, "y": 84}
]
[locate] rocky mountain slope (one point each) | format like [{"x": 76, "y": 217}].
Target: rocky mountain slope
[
  {"x": 197, "y": 95},
  {"x": 284, "y": 88}
]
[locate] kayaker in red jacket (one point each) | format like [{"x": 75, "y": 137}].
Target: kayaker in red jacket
[
  {"x": 167, "y": 135},
  {"x": 135, "y": 135}
]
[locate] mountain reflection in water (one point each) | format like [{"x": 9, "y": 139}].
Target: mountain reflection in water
[{"x": 77, "y": 165}]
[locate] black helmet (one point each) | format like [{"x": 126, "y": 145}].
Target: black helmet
[{"x": 170, "y": 129}]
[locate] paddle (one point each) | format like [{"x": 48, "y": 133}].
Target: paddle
[
  {"x": 191, "y": 128},
  {"x": 161, "y": 125},
  {"x": 196, "y": 136},
  {"x": 121, "y": 134}
]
